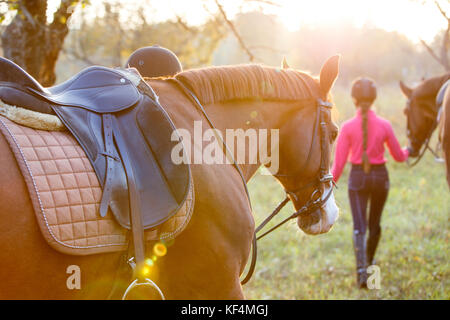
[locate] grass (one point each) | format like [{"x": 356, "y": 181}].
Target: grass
[{"x": 413, "y": 254}]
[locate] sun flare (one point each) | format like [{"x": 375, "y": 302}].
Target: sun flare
[{"x": 415, "y": 20}]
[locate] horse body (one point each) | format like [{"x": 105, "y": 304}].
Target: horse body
[{"x": 207, "y": 258}]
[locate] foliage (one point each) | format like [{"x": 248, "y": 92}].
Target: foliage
[
  {"x": 367, "y": 50},
  {"x": 109, "y": 39}
]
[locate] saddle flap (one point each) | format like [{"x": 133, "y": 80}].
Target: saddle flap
[
  {"x": 142, "y": 135},
  {"x": 163, "y": 186}
]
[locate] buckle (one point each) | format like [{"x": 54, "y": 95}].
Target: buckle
[
  {"x": 132, "y": 263},
  {"x": 326, "y": 178},
  {"x": 292, "y": 194},
  {"x": 325, "y": 104}
]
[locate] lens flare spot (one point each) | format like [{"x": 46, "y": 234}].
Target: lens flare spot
[
  {"x": 145, "y": 271},
  {"x": 253, "y": 114},
  {"x": 149, "y": 262},
  {"x": 160, "y": 249}
]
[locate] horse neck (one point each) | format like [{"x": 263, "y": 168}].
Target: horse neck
[
  {"x": 254, "y": 115},
  {"x": 432, "y": 87}
]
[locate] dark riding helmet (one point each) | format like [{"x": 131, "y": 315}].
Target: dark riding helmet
[
  {"x": 154, "y": 61},
  {"x": 364, "y": 89}
]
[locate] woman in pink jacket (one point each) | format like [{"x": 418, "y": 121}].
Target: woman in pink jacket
[{"x": 361, "y": 141}]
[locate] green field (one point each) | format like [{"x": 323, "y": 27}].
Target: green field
[{"x": 413, "y": 254}]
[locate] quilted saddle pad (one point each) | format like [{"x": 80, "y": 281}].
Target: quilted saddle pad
[{"x": 66, "y": 194}]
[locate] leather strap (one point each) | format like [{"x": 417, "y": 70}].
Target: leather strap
[
  {"x": 228, "y": 153},
  {"x": 135, "y": 212},
  {"x": 109, "y": 153},
  {"x": 323, "y": 140}
]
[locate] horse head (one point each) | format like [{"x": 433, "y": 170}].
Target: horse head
[
  {"x": 311, "y": 125},
  {"x": 421, "y": 111}
]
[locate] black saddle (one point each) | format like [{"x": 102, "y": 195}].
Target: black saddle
[{"x": 126, "y": 134}]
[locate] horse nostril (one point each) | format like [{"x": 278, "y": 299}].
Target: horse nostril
[{"x": 309, "y": 219}]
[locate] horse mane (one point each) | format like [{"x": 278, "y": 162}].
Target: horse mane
[
  {"x": 431, "y": 86},
  {"x": 252, "y": 81}
]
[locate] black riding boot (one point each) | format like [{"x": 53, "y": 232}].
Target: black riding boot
[
  {"x": 359, "y": 244},
  {"x": 372, "y": 243}
]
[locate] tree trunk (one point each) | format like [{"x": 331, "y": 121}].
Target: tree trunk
[{"x": 34, "y": 44}]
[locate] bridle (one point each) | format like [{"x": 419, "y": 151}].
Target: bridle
[
  {"x": 425, "y": 145},
  {"x": 317, "y": 198}
]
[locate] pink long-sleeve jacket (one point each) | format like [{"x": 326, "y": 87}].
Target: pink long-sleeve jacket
[{"x": 350, "y": 142}]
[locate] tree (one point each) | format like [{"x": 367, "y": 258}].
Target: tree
[
  {"x": 441, "y": 54},
  {"x": 33, "y": 42},
  {"x": 109, "y": 39}
]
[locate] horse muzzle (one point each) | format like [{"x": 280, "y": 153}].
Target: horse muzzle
[
  {"x": 320, "y": 220},
  {"x": 413, "y": 152}
]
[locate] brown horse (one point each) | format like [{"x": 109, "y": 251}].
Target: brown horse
[
  {"x": 206, "y": 260},
  {"x": 422, "y": 114}
]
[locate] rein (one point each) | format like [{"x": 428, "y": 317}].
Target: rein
[
  {"x": 312, "y": 204},
  {"x": 308, "y": 207}
]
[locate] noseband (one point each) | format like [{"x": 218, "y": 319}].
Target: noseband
[{"x": 317, "y": 198}]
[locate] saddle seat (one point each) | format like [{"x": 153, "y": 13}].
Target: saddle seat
[
  {"x": 96, "y": 88},
  {"x": 126, "y": 134}
]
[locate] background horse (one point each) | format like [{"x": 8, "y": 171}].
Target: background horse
[
  {"x": 422, "y": 115},
  {"x": 206, "y": 260}
]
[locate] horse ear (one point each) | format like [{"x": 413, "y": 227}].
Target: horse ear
[
  {"x": 329, "y": 73},
  {"x": 405, "y": 89},
  {"x": 284, "y": 64}
]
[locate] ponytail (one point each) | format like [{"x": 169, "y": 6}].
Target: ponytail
[
  {"x": 365, "y": 106},
  {"x": 364, "y": 93}
]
